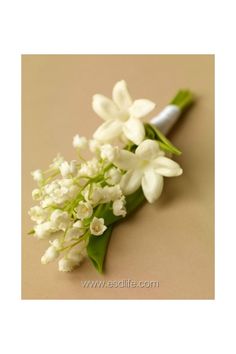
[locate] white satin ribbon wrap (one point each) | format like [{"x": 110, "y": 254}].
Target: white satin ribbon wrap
[{"x": 166, "y": 118}]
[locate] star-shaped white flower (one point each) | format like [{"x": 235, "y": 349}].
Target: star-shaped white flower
[
  {"x": 145, "y": 167},
  {"x": 121, "y": 115}
]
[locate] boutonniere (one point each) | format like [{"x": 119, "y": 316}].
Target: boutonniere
[{"x": 79, "y": 202}]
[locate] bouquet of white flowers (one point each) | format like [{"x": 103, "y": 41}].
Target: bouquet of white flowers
[{"x": 79, "y": 202}]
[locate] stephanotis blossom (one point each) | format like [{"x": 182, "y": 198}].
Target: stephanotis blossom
[
  {"x": 146, "y": 167},
  {"x": 121, "y": 115}
]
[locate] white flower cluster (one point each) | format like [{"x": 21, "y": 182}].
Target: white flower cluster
[{"x": 70, "y": 193}]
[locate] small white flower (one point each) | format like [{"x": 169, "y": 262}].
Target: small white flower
[
  {"x": 81, "y": 247},
  {"x": 60, "y": 219},
  {"x": 94, "y": 145},
  {"x": 86, "y": 193},
  {"x": 46, "y": 202},
  {"x": 50, "y": 255},
  {"x": 97, "y": 226},
  {"x": 61, "y": 191},
  {"x": 75, "y": 256},
  {"x": 36, "y": 194},
  {"x": 118, "y": 207},
  {"x": 38, "y": 214},
  {"x": 66, "y": 265},
  {"x": 84, "y": 210},
  {"x": 37, "y": 175},
  {"x": 78, "y": 224},
  {"x": 67, "y": 187},
  {"x": 79, "y": 142},
  {"x": 66, "y": 182},
  {"x": 68, "y": 169},
  {"x": 57, "y": 161},
  {"x": 103, "y": 195},
  {"x": 107, "y": 152},
  {"x": 75, "y": 232},
  {"x": 111, "y": 193},
  {"x": 121, "y": 115},
  {"x": 65, "y": 169},
  {"x": 90, "y": 168},
  {"x": 73, "y": 191},
  {"x": 60, "y": 195},
  {"x": 43, "y": 230},
  {"x": 113, "y": 176},
  {"x": 84, "y": 170},
  {"x": 146, "y": 167},
  {"x": 57, "y": 243},
  {"x": 96, "y": 195},
  {"x": 50, "y": 187}
]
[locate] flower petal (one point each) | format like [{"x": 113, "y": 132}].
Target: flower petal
[
  {"x": 134, "y": 130},
  {"x": 105, "y": 108},
  {"x": 131, "y": 181},
  {"x": 141, "y": 108},
  {"x": 148, "y": 150},
  {"x": 167, "y": 167},
  {"x": 152, "y": 184},
  {"x": 125, "y": 160},
  {"x": 108, "y": 131},
  {"x": 121, "y": 96}
]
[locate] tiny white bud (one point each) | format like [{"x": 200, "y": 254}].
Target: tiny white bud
[
  {"x": 57, "y": 161},
  {"x": 118, "y": 207},
  {"x": 68, "y": 169},
  {"x": 66, "y": 265},
  {"x": 50, "y": 255},
  {"x": 73, "y": 233},
  {"x": 57, "y": 243},
  {"x": 36, "y": 194},
  {"x": 75, "y": 256},
  {"x": 43, "y": 230},
  {"x": 37, "y": 175},
  {"x": 113, "y": 176},
  {"x": 79, "y": 142},
  {"x": 94, "y": 145},
  {"x": 65, "y": 169},
  {"x": 107, "y": 152},
  {"x": 79, "y": 224}
]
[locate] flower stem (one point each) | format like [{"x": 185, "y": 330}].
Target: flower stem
[{"x": 183, "y": 99}]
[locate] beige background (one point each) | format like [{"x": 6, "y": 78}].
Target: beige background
[{"x": 171, "y": 241}]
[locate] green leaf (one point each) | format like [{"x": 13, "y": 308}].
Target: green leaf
[
  {"x": 133, "y": 201},
  {"x": 149, "y": 131},
  {"x": 97, "y": 248},
  {"x": 31, "y": 232},
  {"x": 131, "y": 147},
  {"x": 165, "y": 144}
]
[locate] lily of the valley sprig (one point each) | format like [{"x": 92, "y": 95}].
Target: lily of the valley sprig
[{"x": 79, "y": 202}]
